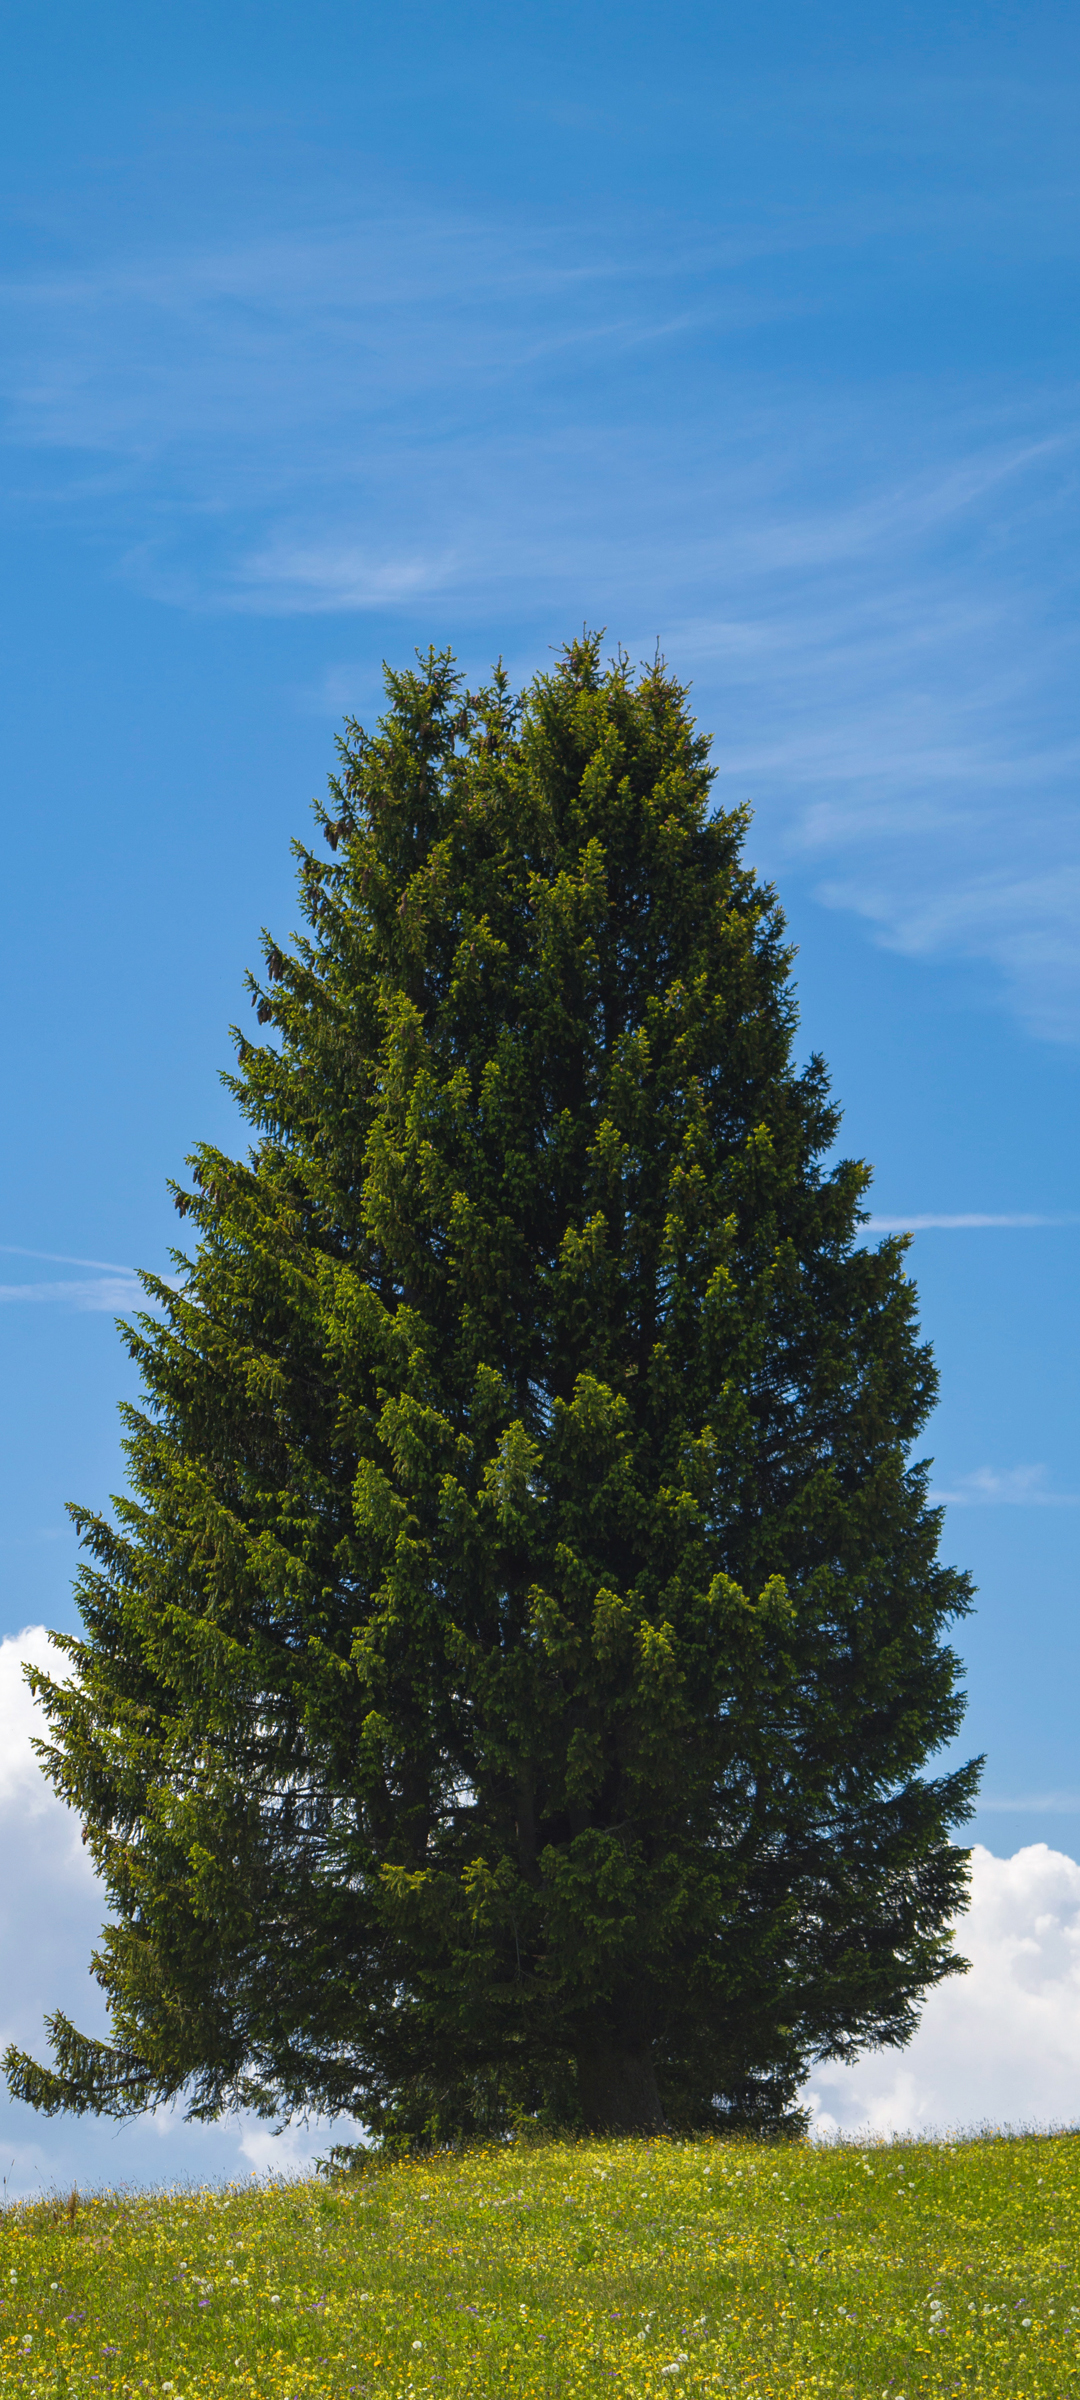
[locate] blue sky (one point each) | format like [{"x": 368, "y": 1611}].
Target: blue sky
[{"x": 328, "y": 331}]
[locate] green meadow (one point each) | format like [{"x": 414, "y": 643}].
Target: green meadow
[{"x": 626, "y": 2267}]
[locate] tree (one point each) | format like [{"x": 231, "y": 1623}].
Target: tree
[{"x": 505, "y": 1687}]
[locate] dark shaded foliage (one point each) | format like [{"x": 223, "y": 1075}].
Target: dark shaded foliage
[{"x": 505, "y": 1691}]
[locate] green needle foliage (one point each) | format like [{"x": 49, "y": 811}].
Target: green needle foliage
[{"x": 505, "y": 1690}]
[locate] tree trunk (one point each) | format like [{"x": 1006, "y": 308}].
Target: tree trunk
[{"x": 618, "y": 2093}]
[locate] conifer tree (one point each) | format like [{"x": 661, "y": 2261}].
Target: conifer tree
[{"x": 506, "y": 1687}]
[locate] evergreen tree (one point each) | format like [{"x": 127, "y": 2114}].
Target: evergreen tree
[{"x": 505, "y": 1689}]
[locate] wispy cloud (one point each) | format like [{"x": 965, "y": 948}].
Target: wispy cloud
[
  {"x": 1034, "y": 1804},
  {"x": 322, "y": 578},
  {"x": 452, "y": 420},
  {"x": 61, "y": 1258},
  {"x": 31, "y": 1541},
  {"x": 898, "y": 702},
  {"x": 1015, "y": 1487},
  {"x": 113, "y": 1293},
  {"x": 927, "y": 1220}
]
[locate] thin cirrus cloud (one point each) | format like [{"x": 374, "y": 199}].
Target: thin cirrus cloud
[
  {"x": 62, "y": 1258},
  {"x": 315, "y": 579},
  {"x": 1011, "y": 1487},
  {"x": 489, "y": 428},
  {"x": 111, "y": 1288},
  {"x": 112, "y": 1292},
  {"x": 874, "y": 687},
  {"x": 962, "y": 1222}
]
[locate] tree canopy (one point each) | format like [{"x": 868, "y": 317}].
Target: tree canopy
[{"x": 507, "y": 1684}]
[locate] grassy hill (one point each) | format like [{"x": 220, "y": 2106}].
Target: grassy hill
[{"x": 598, "y": 2267}]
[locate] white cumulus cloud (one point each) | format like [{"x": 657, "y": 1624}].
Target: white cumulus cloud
[
  {"x": 51, "y": 1912},
  {"x": 1000, "y": 2046}
]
